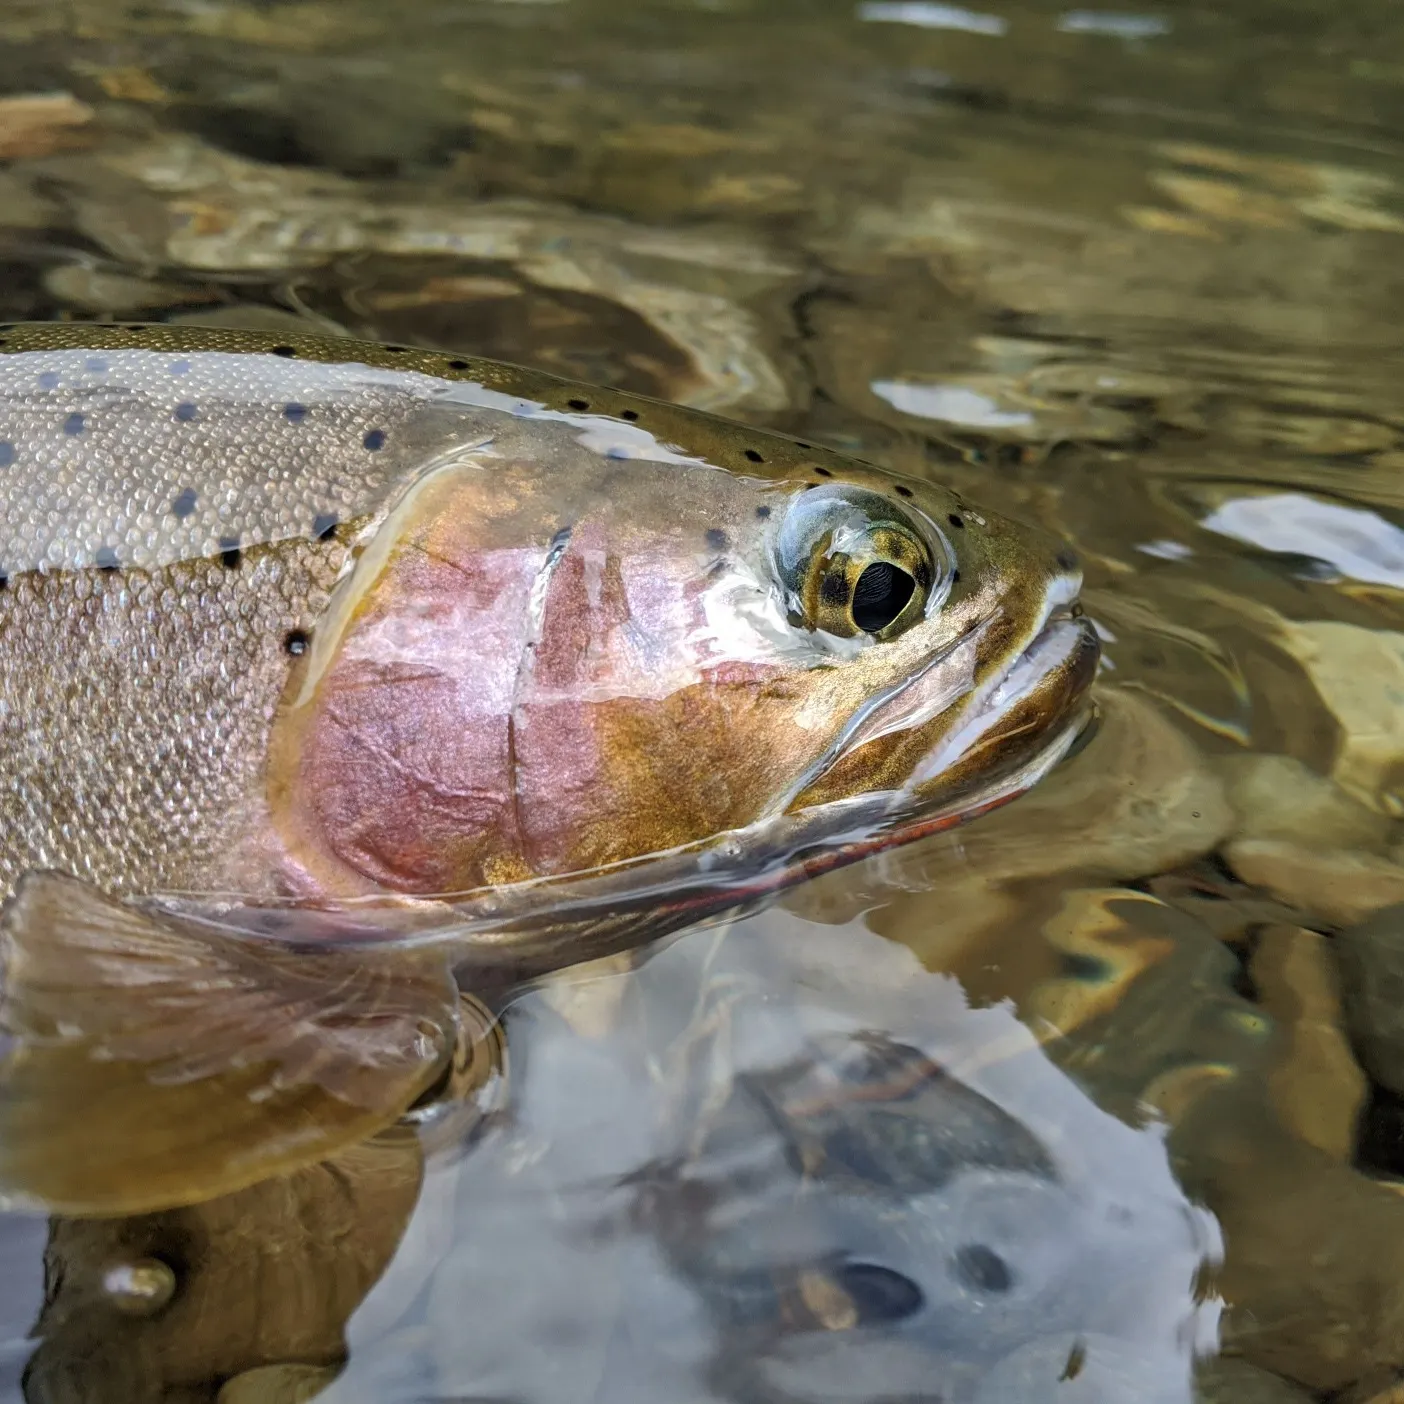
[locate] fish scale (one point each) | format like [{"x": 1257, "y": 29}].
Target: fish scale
[
  {"x": 156, "y": 457},
  {"x": 135, "y": 775}
]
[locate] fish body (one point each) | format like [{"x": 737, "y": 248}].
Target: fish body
[{"x": 432, "y": 663}]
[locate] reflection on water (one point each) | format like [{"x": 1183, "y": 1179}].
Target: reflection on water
[
  {"x": 971, "y": 1120},
  {"x": 706, "y": 1189}
]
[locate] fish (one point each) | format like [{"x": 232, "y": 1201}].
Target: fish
[{"x": 339, "y": 678}]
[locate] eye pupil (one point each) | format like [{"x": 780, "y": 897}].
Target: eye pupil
[{"x": 880, "y": 595}]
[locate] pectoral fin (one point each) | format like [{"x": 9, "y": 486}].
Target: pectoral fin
[{"x": 146, "y": 1064}]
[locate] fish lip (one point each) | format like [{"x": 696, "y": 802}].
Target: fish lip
[
  {"x": 851, "y": 736},
  {"x": 1060, "y": 605},
  {"x": 1070, "y": 648},
  {"x": 1053, "y": 625}
]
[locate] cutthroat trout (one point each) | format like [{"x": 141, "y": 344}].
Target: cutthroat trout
[{"x": 334, "y": 675}]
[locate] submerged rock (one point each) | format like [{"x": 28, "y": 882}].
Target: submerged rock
[
  {"x": 1371, "y": 958},
  {"x": 256, "y": 1279},
  {"x": 277, "y": 1384},
  {"x": 1277, "y": 797},
  {"x": 1335, "y": 886},
  {"x": 1227, "y": 1380},
  {"x": 1316, "y": 1086},
  {"x": 1314, "y": 1275},
  {"x": 188, "y": 205}
]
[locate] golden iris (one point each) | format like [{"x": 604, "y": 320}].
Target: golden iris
[{"x": 852, "y": 562}]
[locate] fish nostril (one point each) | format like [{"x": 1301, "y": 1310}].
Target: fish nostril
[{"x": 879, "y": 1295}]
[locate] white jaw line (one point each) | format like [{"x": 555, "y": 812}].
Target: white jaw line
[
  {"x": 858, "y": 730},
  {"x": 1052, "y": 641}
]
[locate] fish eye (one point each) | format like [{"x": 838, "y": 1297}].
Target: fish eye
[{"x": 852, "y": 562}]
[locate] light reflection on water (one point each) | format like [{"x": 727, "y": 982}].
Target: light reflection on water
[{"x": 782, "y": 1160}]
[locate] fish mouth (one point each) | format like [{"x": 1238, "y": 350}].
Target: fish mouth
[
  {"x": 961, "y": 724},
  {"x": 1013, "y": 720}
]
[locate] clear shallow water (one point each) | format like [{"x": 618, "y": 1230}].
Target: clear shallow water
[{"x": 1001, "y": 1117}]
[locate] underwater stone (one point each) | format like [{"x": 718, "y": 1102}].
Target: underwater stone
[
  {"x": 1371, "y": 958},
  {"x": 1227, "y": 1380},
  {"x": 1338, "y": 887},
  {"x": 1277, "y": 797},
  {"x": 1316, "y": 1087},
  {"x": 277, "y": 1384}
]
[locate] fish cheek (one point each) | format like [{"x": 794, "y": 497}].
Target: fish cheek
[
  {"x": 884, "y": 763},
  {"x": 397, "y": 789},
  {"x": 392, "y": 768},
  {"x": 612, "y": 780}
]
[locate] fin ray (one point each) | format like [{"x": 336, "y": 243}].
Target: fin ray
[{"x": 146, "y": 1064}]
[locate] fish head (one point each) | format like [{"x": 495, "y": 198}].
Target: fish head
[{"x": 571, "y": 645}]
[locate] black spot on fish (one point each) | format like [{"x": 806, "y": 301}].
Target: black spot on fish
[
  {"x": 324, "y": 526},
  {"x": 4, "y": 582},
  {"x": 458, "y": 365},
  {"x": 982, "y": 1268},
  {"x": 955, "y": 521},
  {"x": 801, "y": 444},
  {"x": 7, "y": 453},
  {"x": 294, "y": 413},
  {"x": 1066, "y": 560},
  {"x": 1078, "y": 965},
  {"x": 295, "y": 641},
  {"x": 107, "y": 559},
  {"x": 284, "y": 351},
  {"x": 762, "y": 511},
  {"x": 230, "y": 556},
  {"x": 185, "y": 412},
  {"x": 630, "y": 415},
  {"x": 822, "y": 472},
  {"x": 754, "y": 456},
  {"x": 834, "y": 589},
  {"x": 375, "y": 440},
  {"x": 716, "y": 538},
  {"x": 901, "y": 490},
  {"x": 955, "y": 577},
  {"x": 399, "y": 350},
  {"x": 184, "y": 505},
  {"x": 578, "y": 404},
  {"x": 73, "y": 424},
  {"x": 878, "y": 1294}
]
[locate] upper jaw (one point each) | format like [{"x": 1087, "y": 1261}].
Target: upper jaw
[
  {"x": 1064, "y": 649},
  {"x": 948, "y": 682}
]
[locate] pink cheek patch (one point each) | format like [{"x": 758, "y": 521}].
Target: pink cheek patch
[{"x": 407, "y": 764}]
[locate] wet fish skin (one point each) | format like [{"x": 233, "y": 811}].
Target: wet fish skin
[
  {"x": 247, "y": 630},
  {"x": 172, "y": 547}
]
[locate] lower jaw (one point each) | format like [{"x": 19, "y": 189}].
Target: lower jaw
[
  {"x": 1017, "y": 776},
  {"x": 1007, "y": 740}
]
